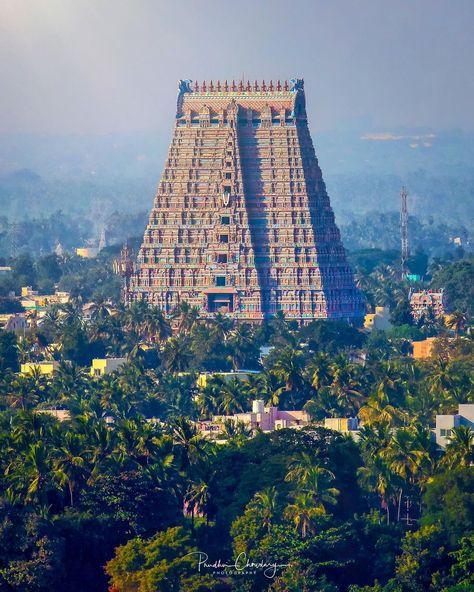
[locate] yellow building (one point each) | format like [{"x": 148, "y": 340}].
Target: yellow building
[
  {"x": 101, "y": 366},
  {"x": 31, "y": 300},
  {"x": 341, "y": 424},
  {"x": 423, "y": 349},
  {"x": 87, "y": 252},
  {"x": 204, "y": 377},
  {"x": 379, "y": 320},
  {"x": 46, "y": 368}
]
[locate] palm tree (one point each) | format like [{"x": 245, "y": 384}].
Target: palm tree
[
  {"x": 347, "y": 384},
  {"x": 233, "y": 397},
  {"x": 302, "y": 512},
  {"x": 189, "y": 442},
  {"x": 320, "y": 370},
  {"x": 70, "y": 463},
  {"x": 373, "y": 438},
  {"x": 289, "y": 368},
  {"x": 404, "y": 458},
  {"x": 220, "y": 327},
  {"x": 317, "y": 484},
  {"x": 376, "y": 476},
  {"x": 324, "y": 404},
  {"x": 186, "y": 316},
  {"x": 34, "y": 472},
  {"x": 379, "y": 410},
  {"x": 68, "y": 380},
  {"x": 70, "y": 313},
  {"x": 282, "y": 334},
  {"x": 237, "y": 431},
  {"x": 22, "y": 392},
  {"x": 102, "y": 443},
  {"x": 267, "y": 386},
  {"x": 99, "y": 310},
  {"x": 265, "y": 503},
  {"x": 441, "y": 377},
  {"x": 155, "y": 327},
  {"x": 241, "y": 345},
  {"x": 460, "y": 447},
  {"x": 300, "y": 467},
  {"x": 457, "y": 321},
  {"x": 177, "y": 354}
]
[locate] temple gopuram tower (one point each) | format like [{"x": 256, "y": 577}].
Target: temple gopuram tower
[{"x": 241, "y": 223}]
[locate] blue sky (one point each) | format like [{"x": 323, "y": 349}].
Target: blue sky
[{"x": 101, "y": 66}]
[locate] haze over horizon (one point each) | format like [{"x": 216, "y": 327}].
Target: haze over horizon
[{"x": 93, "y": 68}]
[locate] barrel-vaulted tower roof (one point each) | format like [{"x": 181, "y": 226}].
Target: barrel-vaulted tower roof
[{"x": 287, "y": 96}]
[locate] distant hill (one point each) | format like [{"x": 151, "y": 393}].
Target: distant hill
[{"x": 94, "y": 176}]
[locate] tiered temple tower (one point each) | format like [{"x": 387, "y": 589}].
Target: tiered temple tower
[{"x": 241, "y": 223}]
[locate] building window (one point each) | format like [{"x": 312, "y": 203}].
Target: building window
[
  {"x": 225, "y": 220},
  {"x": 220, "y": 280},
  {"x": 228, "y": 175},
  {"x": 227, "y": 189},
  {"x": 445, "y": 433},
  {"x": 221, "y": 257},
  {"x": 224, "y": 238}
]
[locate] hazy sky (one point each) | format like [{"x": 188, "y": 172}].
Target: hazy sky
[{"x": 112, "y": 65}]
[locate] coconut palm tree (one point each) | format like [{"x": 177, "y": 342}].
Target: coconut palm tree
[
  {"x": 237, "y": 431},
  {"x": 233, "y": 397},
  {"x": 347, "y": 384},
  {"x": 441, "y": 377},
  {"x": 317, "y": 483},
  {"x": 186, "y": 317},
  {"x": 241, "y": 345},
  {"x": 267, "y": 386},
  {"x": 373, "y": 438},
  {"x": 376, "y": 476},
  {"x": 289, "y": 368},
  {"x": 189, "y": 443},
  {"x": 379, "y": 409},
  {"x": 300, "y": 467},
  {"x": 404, "y": 458},
  {"x": 460, "y": 447},
  {"x": 302, "y": 512},
  {"x": 457, "y": 321},
  {"x": 320, "y": 370},
  {"x": 154, "y": 326},
  {"x": 99, "y": 310},
  {"x": 177, "y": 354},
  {"x": 69, "y": 464},
  {"x": 265, "y": 503},
  {"x": 34, "y": 473}
]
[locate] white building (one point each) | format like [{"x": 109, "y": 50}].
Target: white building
[{"x": 446, "y": 423}]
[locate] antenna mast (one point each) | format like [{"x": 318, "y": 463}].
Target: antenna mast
[{"x": 404, "y": 228}]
